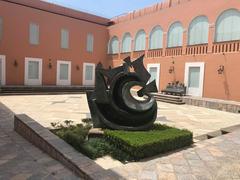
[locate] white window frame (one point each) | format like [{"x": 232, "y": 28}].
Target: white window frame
[
  {"x": 87, "y": 82},
  {"x": 90, "y": 42},
  {"x": 201, "y": 80},
  {"x": 158, "y": 66},
  {"x": 38, "y": 34},
  {"x": 1, "y": 28},
  {"x": 64, "y": 82},
  {"x": 3, "y": 80},
  {"x": 33, "y": 82},
  {"x": 63, "y": 30}
]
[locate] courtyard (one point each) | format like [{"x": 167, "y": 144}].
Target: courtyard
[
  {"x": 46, "y": 109},
  {"x": 216, "y": 158}
]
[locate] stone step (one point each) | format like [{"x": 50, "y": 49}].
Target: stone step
[
  {"x": 169, "y": 98},
  {"x": 170, "y": 101},
  {"x": 17, "y": 90}
]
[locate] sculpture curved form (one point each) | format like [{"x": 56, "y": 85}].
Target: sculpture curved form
[{"x": 112, "y": 103}]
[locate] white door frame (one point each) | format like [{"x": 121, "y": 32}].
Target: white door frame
[
  {"x": 201, "y": 80},
  {"x": 86, "y": 82},
  {"x": 158, "y": 66},
  {"x": 33, "y": 82},
  {"x": 63, "y": 82},
  {"x": 3, "y": 70}
]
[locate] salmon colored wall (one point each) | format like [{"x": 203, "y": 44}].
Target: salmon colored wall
[
  {"x": 15, "y": 43},
  {"x": 226, "y": 86}
]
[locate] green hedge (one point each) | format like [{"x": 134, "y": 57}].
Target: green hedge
[{"x": 142, "y": 144}]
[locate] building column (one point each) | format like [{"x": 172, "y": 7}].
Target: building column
[
  {"x": 132, "y": 49},
  {"x": 185, "y": 41},
  {"x": 211, "y": 37},
  {"x": 146, "y": 46},
  {"x": 164, "y": 43}
]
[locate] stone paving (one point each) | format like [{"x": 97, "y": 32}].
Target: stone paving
[
  {"x": 53, "y": 108},
  {"x": 20, "y": 160},
  {"x": 213, "y": 159}
]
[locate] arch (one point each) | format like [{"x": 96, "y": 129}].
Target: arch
[
  {"x": 140, "y": 41},
  {"x": 175, "y": 35},
  {"x": 113, "y": 47},
  {"x": 198, "y": 31},
  {"x": 156, "y": 38},
  {"x": 126, "y": 43},
  {"x": 228, "y": 26}
]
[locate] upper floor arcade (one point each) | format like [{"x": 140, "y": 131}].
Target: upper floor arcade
[{"x": 199, "y": 33}]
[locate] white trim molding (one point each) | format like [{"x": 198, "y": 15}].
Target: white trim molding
[
  {"x": 64, "y": 82},
  {"x": 3, "y": 70},
  {"x": 201, "y": 80},
  {"x": 88, "y": 82},
  {"x": 158, "y": 66},
  {"x": 33, "y": 82}
]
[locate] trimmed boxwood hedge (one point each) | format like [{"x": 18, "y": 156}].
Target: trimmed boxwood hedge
[{"x": 142, "y": 144}]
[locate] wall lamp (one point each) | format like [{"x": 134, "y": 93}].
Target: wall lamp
[
  {"x": 15, "y": 63},
  {"x": 50, "y": 64},
  {"x": 221, "y": 69},
  {"x": 171, "y": 69},
  {"x": 77, "y": 67}
]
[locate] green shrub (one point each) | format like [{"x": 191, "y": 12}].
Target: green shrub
[
  {"x": 142, "y": 144},
  {"x": 74, "y": 135}
]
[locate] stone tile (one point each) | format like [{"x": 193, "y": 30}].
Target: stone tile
[
  {"x": 186, "y": 177},
  {"x": 147, "y": 175},
  {"x": 181, "y": 169},
  {"x": 166, "y": 176},
  {"x": 165, "y": 168}
]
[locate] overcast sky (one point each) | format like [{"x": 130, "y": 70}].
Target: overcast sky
[{"x": 105, "y": 8}]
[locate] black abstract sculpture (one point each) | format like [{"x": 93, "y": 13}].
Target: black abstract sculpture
[{"x": 112, "y": 104}]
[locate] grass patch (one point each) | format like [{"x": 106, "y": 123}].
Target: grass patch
[{"x": 141, "y": 144}]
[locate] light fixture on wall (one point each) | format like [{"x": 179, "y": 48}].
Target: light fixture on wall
[
  {"x": 15, "y": 63},
  {"x": 77, "y": 67},
  {"x": 221, "y": 69},
  {"x": 171, "y": 69},
  {"x": 50, "y": 64}
]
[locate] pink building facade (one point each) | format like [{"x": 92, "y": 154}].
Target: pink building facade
[
  {"x": 196, "y": 42},
  {"x": 192, "y": 41}
]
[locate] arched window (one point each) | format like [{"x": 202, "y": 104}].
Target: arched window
[
  {"x": 228, "y": 26},
  {"x": 156, "y": 38},
  {"x": 175, "y": 35},
  {"x": 126, "y": 43},
  {"x": 140, "y": 41},
  {"x": 113, "y": 47},
  {"x": 198, "y": 31}
]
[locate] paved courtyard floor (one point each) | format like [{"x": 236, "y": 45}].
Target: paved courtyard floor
[
  {"x": 213, "y": 159},
  {"x": 57, "y": 108},
  {"x": 20, "y": 160}
]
